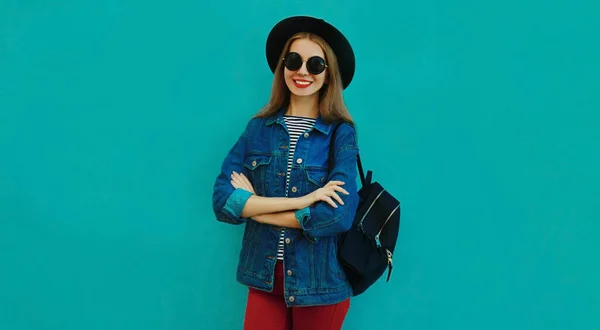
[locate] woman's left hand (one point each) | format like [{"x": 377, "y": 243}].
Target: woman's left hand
[{"x": 239, "y": 180}]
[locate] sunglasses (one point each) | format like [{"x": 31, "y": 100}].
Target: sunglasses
[{"x": 315, "y": 65}]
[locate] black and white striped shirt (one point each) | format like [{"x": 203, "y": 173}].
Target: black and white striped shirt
[{"x": 296, "y": 126}]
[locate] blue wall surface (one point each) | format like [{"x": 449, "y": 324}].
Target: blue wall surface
[{"x": 483, "y": 117}]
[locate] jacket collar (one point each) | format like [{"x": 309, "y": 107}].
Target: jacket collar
[{"x": 320, "y": 124}]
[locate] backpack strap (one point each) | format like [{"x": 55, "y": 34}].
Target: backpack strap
[
  {"x": 331, "y": 159},
  {"x": 364, "y": 181}
]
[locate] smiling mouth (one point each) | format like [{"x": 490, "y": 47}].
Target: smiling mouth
[{"x": 302, "y": 83}]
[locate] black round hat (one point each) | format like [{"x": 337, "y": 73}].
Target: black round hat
[{"x": 286, "y": 28}]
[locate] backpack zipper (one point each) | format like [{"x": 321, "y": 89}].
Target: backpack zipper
[
  {"x": 360, "y": 224},
  {"x": 388, "y": 252},
  {"x": 381, "y": 229},
  {"x": 390, "y": 266}
]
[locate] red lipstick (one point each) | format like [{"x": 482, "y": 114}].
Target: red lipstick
[{"x": 302, "y": 83}]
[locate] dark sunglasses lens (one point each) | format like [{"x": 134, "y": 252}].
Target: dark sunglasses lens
[
  {"x": 293, "y": 61},
  {"x": 315, "y": 65}
]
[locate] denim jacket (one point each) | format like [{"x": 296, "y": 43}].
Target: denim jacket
[{"x": 312, "y": 273}]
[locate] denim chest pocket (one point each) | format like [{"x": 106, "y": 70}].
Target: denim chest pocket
[
  {"x": 316, "y": 178},
  {"x": 258, "y": 171}
]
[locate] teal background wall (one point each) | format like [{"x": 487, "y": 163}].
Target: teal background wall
[{"x": 481, "y": 116}]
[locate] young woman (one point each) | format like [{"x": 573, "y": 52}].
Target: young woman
[{"x": 275, "y": 181}]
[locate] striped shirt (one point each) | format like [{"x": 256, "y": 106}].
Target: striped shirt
[{"x": 296, "y": 126}]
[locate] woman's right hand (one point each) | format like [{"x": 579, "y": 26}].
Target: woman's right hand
[{"x": 328, "y": 193}]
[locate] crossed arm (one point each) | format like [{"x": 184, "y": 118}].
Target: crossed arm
[{"x": 281, "y": 211}]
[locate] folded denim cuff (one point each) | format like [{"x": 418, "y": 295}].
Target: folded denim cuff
[
  {"x": 303, "y": 216},
  {"x": 236, "y": 201}
]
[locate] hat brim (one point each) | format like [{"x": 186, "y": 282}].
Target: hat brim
[{"x": 288, "y": 27}]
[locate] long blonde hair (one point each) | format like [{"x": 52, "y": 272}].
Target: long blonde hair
[{"x": 331, "y": 101}]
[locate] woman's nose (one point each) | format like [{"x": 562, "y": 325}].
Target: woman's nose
[{"x": 303, "y": 71}]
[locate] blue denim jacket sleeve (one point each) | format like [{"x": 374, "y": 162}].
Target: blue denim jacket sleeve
[
  {"x": 321, "y": 219},
  {"x": 229, "y": 202}
]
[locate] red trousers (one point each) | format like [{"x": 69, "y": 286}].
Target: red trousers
[{"x": 268, "y": 311}]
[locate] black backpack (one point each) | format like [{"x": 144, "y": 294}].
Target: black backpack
[{"x": 367, "y": 249}]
